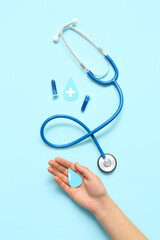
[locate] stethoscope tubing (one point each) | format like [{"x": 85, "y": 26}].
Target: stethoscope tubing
[{"x": 90, "y": 133}]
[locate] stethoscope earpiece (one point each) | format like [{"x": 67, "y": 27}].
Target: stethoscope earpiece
[
  {"x": 56, "y": 39},
  {"x": 74, "y": 21}
]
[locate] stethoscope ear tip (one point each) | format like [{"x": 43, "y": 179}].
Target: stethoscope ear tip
[
  {"x": 56, "y": 39},
  {"x": 74, "y": 21}
]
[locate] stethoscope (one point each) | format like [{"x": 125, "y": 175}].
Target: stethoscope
[{"x": 106, "y": 162}]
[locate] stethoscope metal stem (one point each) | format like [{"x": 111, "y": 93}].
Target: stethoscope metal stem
[{"x": 89, "y": 40}]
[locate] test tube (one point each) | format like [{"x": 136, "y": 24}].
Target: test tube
[
  {"x": 54, "y": 88},
  {"x": 85, "y": 102}
]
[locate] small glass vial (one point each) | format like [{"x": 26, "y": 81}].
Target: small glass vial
[
  {"x": 85, "y": 102},
  {"x": 54, "y": 88}
]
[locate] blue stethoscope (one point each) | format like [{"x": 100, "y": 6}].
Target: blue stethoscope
[{"x": 106, "y": 162}]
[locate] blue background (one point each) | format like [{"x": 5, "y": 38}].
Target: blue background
[{"x": 32, "y": 206}]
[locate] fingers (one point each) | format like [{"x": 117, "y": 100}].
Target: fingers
[
  {"x": 58, "y": 174},
  {"x": 58, "y": 167},
  {"x": 62, "y": 166},
  {"x": 83, "y": 170},
  {"x": 64, "y": 186},
  {"x": 65, "y": 163}
]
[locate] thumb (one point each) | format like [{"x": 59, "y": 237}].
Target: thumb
[{"x": 83, "y": 170}]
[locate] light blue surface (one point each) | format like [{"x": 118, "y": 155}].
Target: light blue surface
[
  {"x": 74, "y": 179},
  {"x": 31, "y": 205}
]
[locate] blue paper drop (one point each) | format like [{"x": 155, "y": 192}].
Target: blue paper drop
[
  {"x": 70, "y": 92},
  {"x": 74, "y": 179}
]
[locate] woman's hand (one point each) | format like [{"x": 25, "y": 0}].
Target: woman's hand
[{"x": 91, "y": 194}]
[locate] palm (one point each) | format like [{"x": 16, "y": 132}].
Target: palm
[
  {"x": 88, "y": 193},
  {"x": 91, "y": 189}
]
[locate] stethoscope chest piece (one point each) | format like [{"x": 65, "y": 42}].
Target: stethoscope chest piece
[{"x": 108, "y": 164}]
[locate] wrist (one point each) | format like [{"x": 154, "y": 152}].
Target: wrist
[{"x": 102, "y": 204}]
